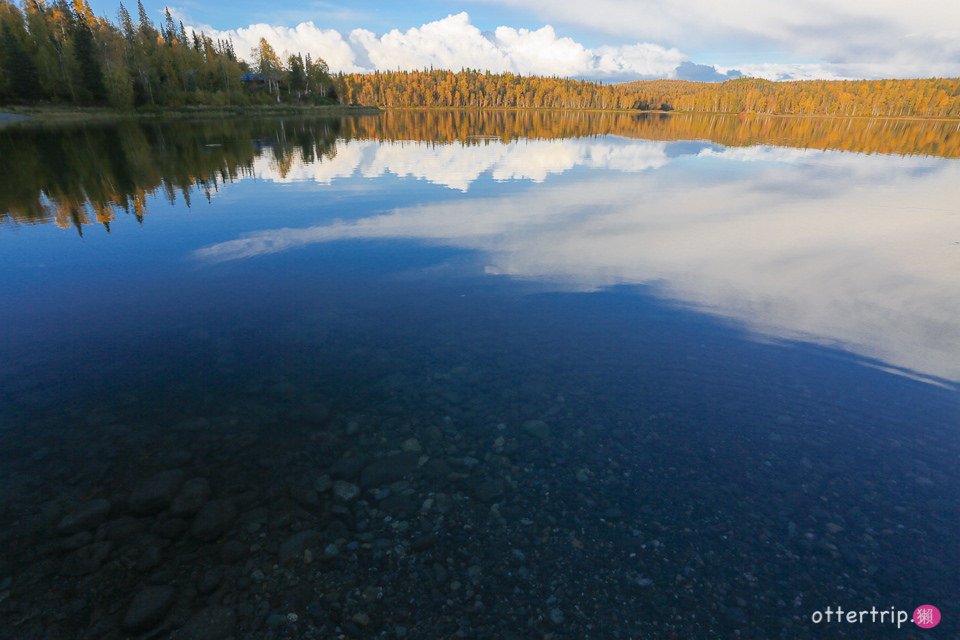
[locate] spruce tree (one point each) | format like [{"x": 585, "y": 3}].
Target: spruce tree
[
  {"x": 87, "y": 56},
  {"x": 23, "y": 81}
]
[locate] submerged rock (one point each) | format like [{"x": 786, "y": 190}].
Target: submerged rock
[
  {"x": 489, "y": 489},
  {"x": 213, "y": 520},
  {"x": 148, "y": 608},
  {"x": 296, "y": 545},
  {"x": 120, "y": 530},
  {"x": 86, "y": 559},
  {"x": 90, "y": 515},
  {"x": 389, "y": 469},
  {"x": 155, "y": 493},
  {"x": 212, "y": 623},
  {"x": 345, "y": 491},
  {"x": 192, "y": 496},
  {"x": 537, "y": 428}
]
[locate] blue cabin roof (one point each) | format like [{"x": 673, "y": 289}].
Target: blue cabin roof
[{"x": 252, "y": 77}]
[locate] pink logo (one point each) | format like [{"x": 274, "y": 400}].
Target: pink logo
[{"x": 926, "y": 616}]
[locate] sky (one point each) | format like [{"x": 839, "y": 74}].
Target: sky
[{"x": 598, "y": 39}]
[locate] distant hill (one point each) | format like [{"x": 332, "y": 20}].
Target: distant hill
[{"x": 935, "y": 97}]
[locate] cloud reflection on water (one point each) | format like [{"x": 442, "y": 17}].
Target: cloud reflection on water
[{"x": 848, "y": 250}]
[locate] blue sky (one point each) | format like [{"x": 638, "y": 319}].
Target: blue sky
[{"x": 615, "y": 39}]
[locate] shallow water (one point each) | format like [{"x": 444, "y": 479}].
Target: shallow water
[{"x": 450, "y": 375}]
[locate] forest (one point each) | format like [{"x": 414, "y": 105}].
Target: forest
[
  {"x": 929, "y": 98},
  {"x": 61, "y": 53}
]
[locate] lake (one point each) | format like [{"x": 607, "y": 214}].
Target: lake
[{"x": 482, "y": 375}]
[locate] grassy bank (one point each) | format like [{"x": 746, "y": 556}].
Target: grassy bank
[{"x": 66, "y": 114}]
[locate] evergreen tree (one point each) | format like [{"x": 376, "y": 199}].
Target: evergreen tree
[
  {"x": 296, "y": 75},
  {"x": 169, "y": 29},
  {"x": 22, "y": 81},
  {"x": 86, "y": 54},
  {"x": 126, "y": 24}
]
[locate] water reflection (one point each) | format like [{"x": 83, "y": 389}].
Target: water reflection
[
  {"x": 458, "y": 166},
  {"x": 75, "y": 176},
  {"x": 848, "y": 250},
  {"x": 81, "y": 175}
]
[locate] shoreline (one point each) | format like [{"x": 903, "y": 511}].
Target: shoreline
[
  {"x": 16, "y": 115},
  {"x": 732, "y": 114},
  {"x": 23, "y": 115}
]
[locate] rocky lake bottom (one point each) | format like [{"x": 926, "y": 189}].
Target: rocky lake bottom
[{"x": 545, "y": 482}]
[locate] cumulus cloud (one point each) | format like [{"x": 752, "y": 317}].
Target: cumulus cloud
[
  {"x": 304, "y": 38},
  {"x": 891, "y": 41},
  {"x": 454, "y": 43},
  {"x": 854, "y": 38}
]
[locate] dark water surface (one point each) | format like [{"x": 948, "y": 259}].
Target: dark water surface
[{"x": 504, "y": 376}]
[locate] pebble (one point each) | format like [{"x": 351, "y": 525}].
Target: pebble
[
  {"x": 171, "y": 528},
  {"x": 322, "y": 484},
  {"x": 345, "y": 491},
  {"x": 90, "y": 515},
  {"x": 121, "y": 530},
  {"x": 556, "y": 616},
  {"x": 389, "y": 469},
  {"x": 361, "y": 619},
  {"x": 209, "y": 581},
  {"x": 233, "y": 551},
  {"x": 489, "y": 489},
  {"x": 192, "y": 496},
  {"x": 77, "y": 540},
  {"x": 213, "y": 520},
  {"x": 537, "y": 428},
  {"x": 156, "y": 492},
  {"x": 86, "y": 559},
  {"x": 148, "y": 608},
  {"x": 424, "y": 542},
  {"x": 212, "y": 623},
  {"x": 149, "y": 559},
  {"x": 295, "y": 546}
]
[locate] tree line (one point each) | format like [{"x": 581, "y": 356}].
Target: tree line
[
  {"x": 917, "y": 97},
  {"x": 60, "y": 52},
  {"x": 933, "y": 97}
]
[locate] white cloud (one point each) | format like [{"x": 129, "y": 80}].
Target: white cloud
[
  {"x": 455, "y": 43},
  {"x": 862, "y": 38},
  {"x": 866, "y": 39},
  {"x": 304, "y": 38}
]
